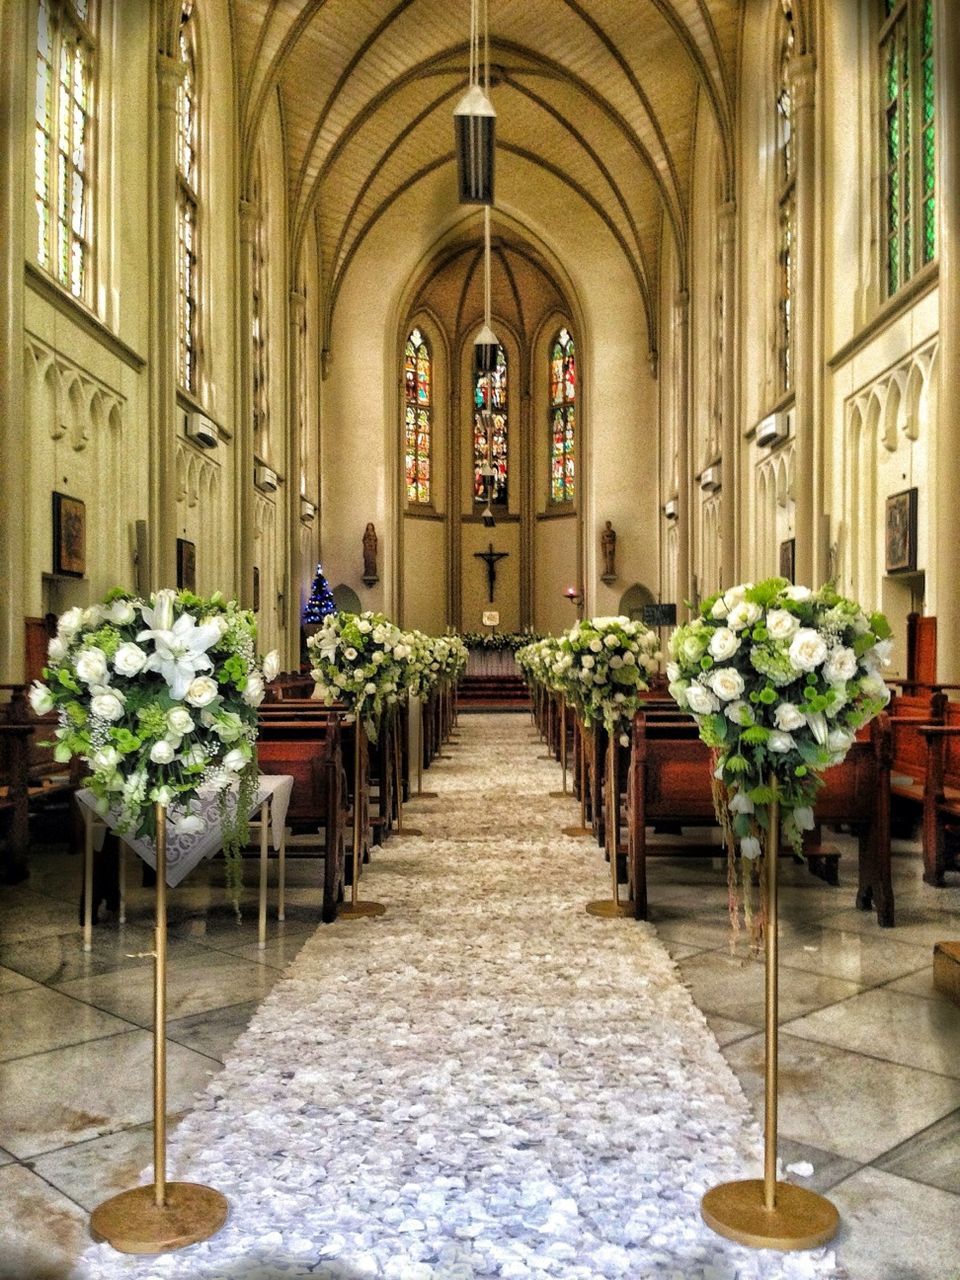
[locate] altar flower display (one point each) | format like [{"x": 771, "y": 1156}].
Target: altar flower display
[
  {"x": 160, "y": 698},
  {"x": 779, "y": 679},
  {"x": 602, "y": 666}
]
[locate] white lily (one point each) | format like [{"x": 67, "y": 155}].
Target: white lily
[{"x": 180, "y": 650}]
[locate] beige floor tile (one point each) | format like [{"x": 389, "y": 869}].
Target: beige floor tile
[
  {"x": 843, "y": 1102},
  {"x": 10, "y": 980},
  {"x": 38, "y": 1019},
  {"x": 213, "y": 1033},
  {"x": 61, "y": 957},
  {"x": 40, "y": 1240},
  {"x": 734, "y": 987},
  {"x": 929, "y": 1156},
  {"x": 727, "y": 1030},
  {"x": 913, "y": 1229},
  {"x": 861, "y": 957},
  {"x": 91, "y": 1172},
  {"x": 892, "y": 1025}
]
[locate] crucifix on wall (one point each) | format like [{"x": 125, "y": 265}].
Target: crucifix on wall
[{"x": 491, "y": 557}]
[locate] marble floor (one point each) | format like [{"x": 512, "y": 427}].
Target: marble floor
[{"x": 870, "y": 1054}]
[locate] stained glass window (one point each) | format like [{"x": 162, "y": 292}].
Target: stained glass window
[
  {"x": 786, "y": 214},
  {"x": 187, "y": 205},
  {"x": 418, "y": 416},
  {"x": 908, "y": 93},
  {"x": 490, "y": 432},
  {"x": 63, "y": 140},
  {"x": 563, "y": 418}
]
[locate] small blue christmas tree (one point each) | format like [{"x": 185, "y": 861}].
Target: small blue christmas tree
[{"x": 321, "y": 600}]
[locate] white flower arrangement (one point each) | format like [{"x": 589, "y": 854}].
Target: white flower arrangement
[
  {"x": 779, "y": 678},
  {"x": 160, "y": 699},
  {"x": 355, "y": 663}
]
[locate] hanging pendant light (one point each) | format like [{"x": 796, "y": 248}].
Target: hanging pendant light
[{"x": 474, "y": 123}]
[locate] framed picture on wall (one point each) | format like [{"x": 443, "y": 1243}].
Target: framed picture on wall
[
  {"x": 69, "y": 536},
  {"x": 186, "y": 565},
  {"x": 788, "y": 558},
  {"x": 900, "y": 532}
]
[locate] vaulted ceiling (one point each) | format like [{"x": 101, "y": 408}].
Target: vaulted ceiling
[{"x": 600, "y": 93}]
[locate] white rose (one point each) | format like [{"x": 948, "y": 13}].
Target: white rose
[
  {"x": 724, "y": 643},
  {"x": 611, "y": 641},
  {"x": 839, "y": 741},
  {"x": 744, "y": 614},
  {"x": 788, "y": 717},
  {"x": 726, "y": 683},
  {"x": 587, "y": 661},
  {"x": 701, "y": 701},
  {"x": 93, "y": 616},
  {"x": 235, "y": 760},
  {"x": 129, "y": 659},
  {"x": 720, "y": 608},
  {"x": 253, "y": 690},
  {"x": 202, "y": 691},
  {"x": 180, "y": 721},
  {"x": 162, "y": 752},
  {"x": 739, "y": 712},
  {"x": 350, "y": 653},
  {"x": 779, "y": 741},
  {"x": 586, "y": 677},
  {"x": 883, "y": 652},
  {"x": 693, "y": 647},
  {"x": 841, "y": 664},
  {"x": 750, "y": 847},
  {"x": 191, "y": 824},
  {"x": 370, "y": 687},
  {"x": 91, "y": 666},
  {"x": 195, "y": 756},
  {"x": 108, "y": 757},
  {"x": 57, "y": 649},
  {"x": 363, "y": 626},
  {"x": 271, "y": 665},
  {"x": 41, "y": 699},
  {"x": 616, "y": 662},
  {"x": 803, "y": 818},
  {"x": 377, "y": 658},
  {"x": 106, "y": 705},
  {"x": 121, "y": 613},
  {"x": 596, "y": 644},
  {"x": 163, "y": 795},
  {"x": 781, "y": 624},
  {"x": 799, "y": 594},
  {"x": 740, "y": 802},
  {"x": 807, "y": 649},
  {"x": 673, "y": 672},
  {"x": 678, "y": 692},
  {"x": 630, "y": 660},
  {"x": 70, "y": 623},
  {"x": 874, "y": 686},
  {"x": 733, "y": 595}
]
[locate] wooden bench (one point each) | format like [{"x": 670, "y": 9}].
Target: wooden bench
[
  {"x": 14, "y": 802},
  {"x": 670, "y": 779},
  {"x": 907, "y": 711},
  {"x": 941, "y": 797}
]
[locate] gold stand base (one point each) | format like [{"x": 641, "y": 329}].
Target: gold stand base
[
  {"x": 559, "y": 795},
  {"x": 801, "y": 1219},
  {"x": 407, "y": 831},
  {"x": 426, "y": 795},
  {"x": 610, "y": 910},
  {"x": 132, "y": 1223},
  {"x": 578, "y": 831},
  {"x": 356, "y": 910}
]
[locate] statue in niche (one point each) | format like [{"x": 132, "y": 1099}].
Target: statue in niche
[
  {"x": 370, "y": 575},
  {"x": 608, "y": 545}
]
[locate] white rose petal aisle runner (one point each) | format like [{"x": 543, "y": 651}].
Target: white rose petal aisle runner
[{"x": 486, "y": 1082}]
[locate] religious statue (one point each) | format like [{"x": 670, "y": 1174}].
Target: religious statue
[
  {"x": 370, "y": 575},
  {"x": 608, "y": 545}
]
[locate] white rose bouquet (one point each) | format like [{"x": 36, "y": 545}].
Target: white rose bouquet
[
  {"x": 160, "y": 699},
  {"x": 355, "y": 662},
  {"x": 779, "y": 678},
  {"x": 602, "y": 666}
]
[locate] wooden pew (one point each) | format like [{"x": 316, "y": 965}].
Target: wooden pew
[
  {"x": 907, "y": 711},
  {"x": 941, "y": 797},
  {"x": 670, "y": 779},
  {"x": 14, "y": 802},
  {"x": 309, "y": 749}
]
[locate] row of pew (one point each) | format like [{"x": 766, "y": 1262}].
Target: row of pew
[{"x": 663, "y": 781}]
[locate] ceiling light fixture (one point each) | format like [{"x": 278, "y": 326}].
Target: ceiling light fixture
[{"x": 474, "y": 121}]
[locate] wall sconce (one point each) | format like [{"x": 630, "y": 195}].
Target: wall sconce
[{"x": 576, "y": 598}]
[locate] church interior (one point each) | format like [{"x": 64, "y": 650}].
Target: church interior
[{"x": 260, "y": 337}]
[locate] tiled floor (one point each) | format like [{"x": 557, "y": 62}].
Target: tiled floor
[{"x": 870, "y": 1054}]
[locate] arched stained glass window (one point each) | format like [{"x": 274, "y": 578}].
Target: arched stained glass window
[
  {"x": 563, "y": 418},
  {"x": 187, "y": 205},
  {"x": 63, "y": 140},
  {"x": 490, "y": 432},
  {"x": 908, "y": 94},
  {"x": 418, "y": 416},
  {"x": 786, "y": 212}
]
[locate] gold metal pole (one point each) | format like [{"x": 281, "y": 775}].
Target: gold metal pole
[
  {"x": 762, "y": 1212},
  {"x": 356, "y": 908},
  {"x": 563, "y": 749},
  {"x": 164, "y": 1216},
  {"x": 612, "y": 908}
]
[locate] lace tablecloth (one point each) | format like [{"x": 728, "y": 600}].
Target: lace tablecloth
[{"x": 184, "y": 852}]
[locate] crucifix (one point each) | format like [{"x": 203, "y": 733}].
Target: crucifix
[{"x": 491, "y": 557}]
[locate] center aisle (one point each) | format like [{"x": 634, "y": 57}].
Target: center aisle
[{"x": 485, "y": 1082}]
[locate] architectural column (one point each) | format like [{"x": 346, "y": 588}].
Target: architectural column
[
  {"x": 295, "y": 450},
  {"x": 163, "y": 335},
  {"x": 729, "y": 452},
  {"x": 13, "y": 151},
  {"x": 528, "y": 510},
  {"x": 681, "y": 399},
  {"x": 808, "y": 499},
  {"x": 943, "y": 569},
  {"x": 244, "y": 439}
]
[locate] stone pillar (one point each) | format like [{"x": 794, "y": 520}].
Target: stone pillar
[
  {"x": 808, "y": 499},
  {"x": 163, "y": 337},
  {"x": 943, "y": 568},
  {"x": 681, "y": 400},
  {"x": 295, "y": 451},
  {"x": 528, "y": 532},
  {"x": 729, "y": 451},
  {"x": 14, "y": 143},
  {"x": 244, "y": 439}
]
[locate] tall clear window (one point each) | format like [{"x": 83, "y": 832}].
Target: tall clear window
[
  {"x": 490, "y": 431},
  {"x": 188, "y": 205},
  {"x": 786, "y": 213},
  {"x": 258, "y": 314},
  {"x": 909, "y": 154},
  {"x": 63, "y": 140},
  {"x": 563, "y": 418},
  {"x": 418, "y": 416}
]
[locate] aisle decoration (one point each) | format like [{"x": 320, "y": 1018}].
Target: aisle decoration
[
  {"x": 160, "y": 700},
  {"x": 779, "y": 679},
  {"x": 356, "y": 661},
  {"x": 602, "y": 666}
]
